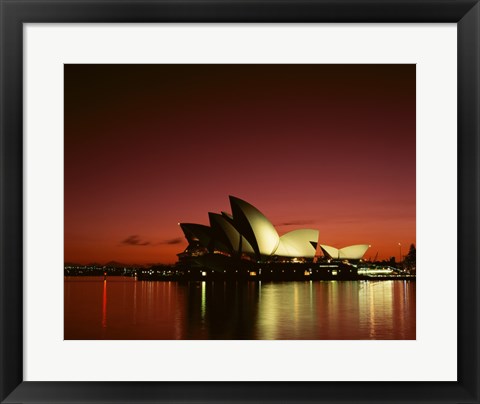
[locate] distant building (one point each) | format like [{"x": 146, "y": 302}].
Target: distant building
[{"x": 248, "y": 235}]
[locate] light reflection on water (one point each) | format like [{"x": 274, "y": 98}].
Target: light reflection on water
[{"x": 243, "y": 310}]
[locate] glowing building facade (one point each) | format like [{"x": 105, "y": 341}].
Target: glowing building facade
[{"x": 248, "y": 235}]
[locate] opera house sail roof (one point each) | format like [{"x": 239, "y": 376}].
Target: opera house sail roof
[
  {"x": 353, "y": 252},
  {"x": 246, "y": 233}
]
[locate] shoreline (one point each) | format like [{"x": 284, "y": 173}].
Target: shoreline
[{"x": 153, "y": 278}]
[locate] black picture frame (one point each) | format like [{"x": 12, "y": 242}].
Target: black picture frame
[{"x": 465, "y": 13}]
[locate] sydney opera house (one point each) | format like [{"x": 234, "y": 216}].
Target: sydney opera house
[{"x": 246, "y": 236}]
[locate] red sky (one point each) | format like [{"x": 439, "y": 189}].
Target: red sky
[{"x": 330, "y": 147}]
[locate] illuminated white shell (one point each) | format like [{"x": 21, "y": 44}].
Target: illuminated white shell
[
  {"x": 353, "y": 252},
  {"x": 298, "y": 243},
  {"x": 254, "y": 226}
]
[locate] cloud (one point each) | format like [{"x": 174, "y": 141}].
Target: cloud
[
  {"x": 135, "y": 240},
  {"x": 177, "y": 240},
  {"x": 296, "y": 223}
]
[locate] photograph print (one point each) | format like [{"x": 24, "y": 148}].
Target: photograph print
[{"x": 240, "y": 202}]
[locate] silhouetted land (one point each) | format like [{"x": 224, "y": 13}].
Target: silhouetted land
[{"x": 250, "y": 271}]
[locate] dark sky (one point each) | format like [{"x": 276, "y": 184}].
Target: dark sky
[{"x": 330, "y": 147}]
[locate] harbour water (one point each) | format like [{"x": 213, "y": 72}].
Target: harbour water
[{"x": 123, "y": 308}]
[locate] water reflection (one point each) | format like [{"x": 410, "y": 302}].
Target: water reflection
[
  {"x": 104, "y": 305},
  {"x": 238, "y": 310}
]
